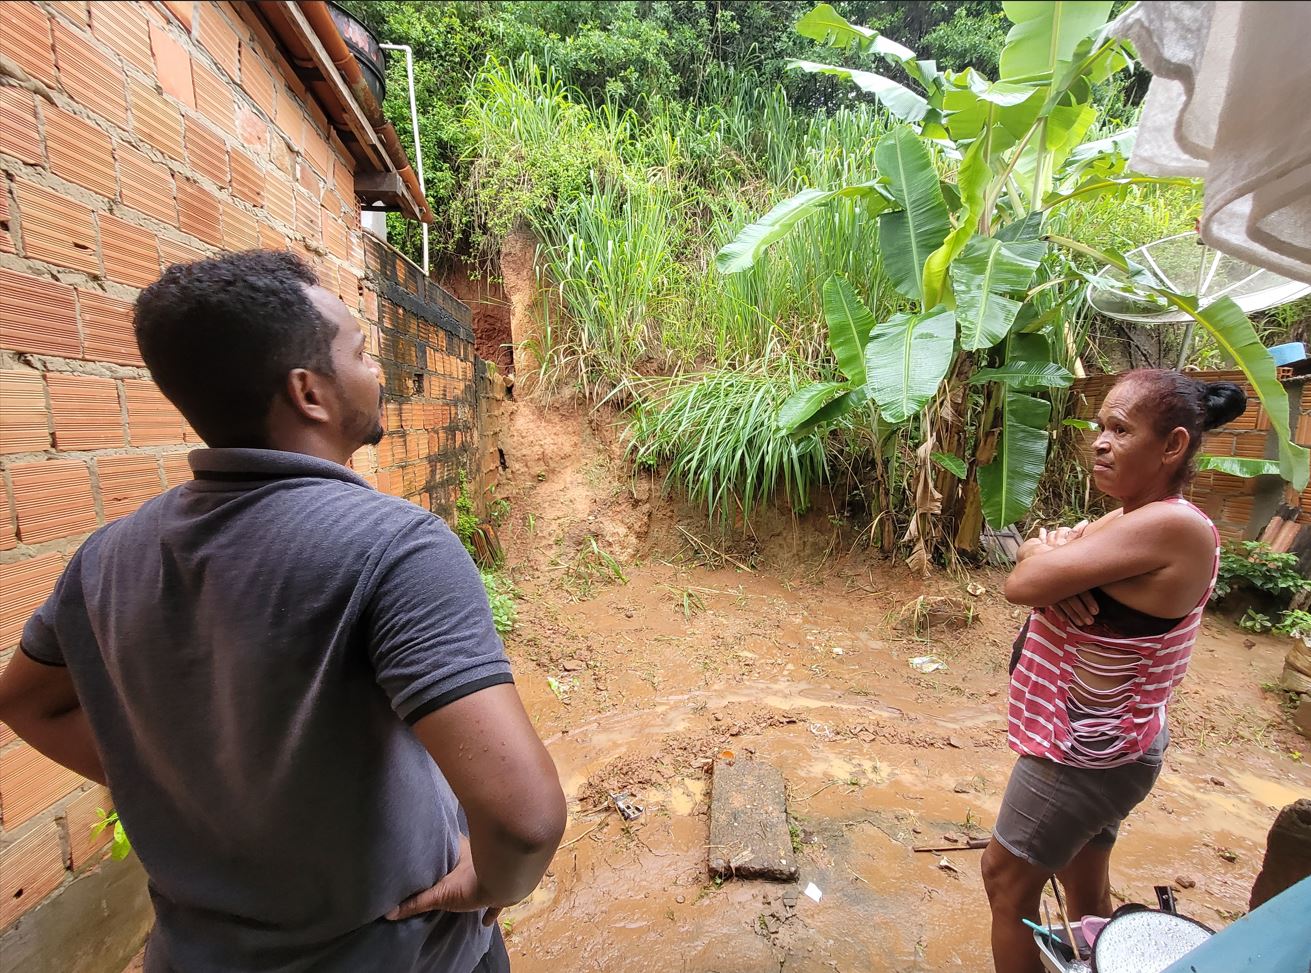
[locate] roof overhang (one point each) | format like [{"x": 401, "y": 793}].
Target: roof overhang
[{"x": 316, "y": 51}]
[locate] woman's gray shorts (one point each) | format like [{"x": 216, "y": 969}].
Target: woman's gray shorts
[{"x": 1051, "y": 811}]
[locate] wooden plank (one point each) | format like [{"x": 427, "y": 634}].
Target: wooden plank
[{"x": 749, "y": 835}]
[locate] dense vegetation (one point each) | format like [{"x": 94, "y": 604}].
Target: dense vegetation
[{"x": 637, "y": 139}]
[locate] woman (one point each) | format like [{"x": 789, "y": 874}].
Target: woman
[{"x": 1117, "y": 605}]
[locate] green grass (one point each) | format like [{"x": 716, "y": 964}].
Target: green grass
[{"x": 718, "y": 439}]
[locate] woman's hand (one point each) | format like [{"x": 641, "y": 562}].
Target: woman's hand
[{"x": 1078, "y": 610}]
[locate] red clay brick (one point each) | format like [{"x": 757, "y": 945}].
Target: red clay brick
[
  {"x": 89, "y": 76},
  {"x": 198, "y": 212},
  {"x": 217, "y": 37},
  {"x": 24, "y": 586},
  {"x": 86, "y": 412},
  {"x": 52, "y": 500},
  {"x": 26, "y": 39},
  {"x": 19, "y": 136},
  {"x": 37, "y": 315},
  {"x": 107, "y": 324},
  {"x": 7, "y": 244},
  {"x": 256, "y": 80},
  {"x": 335, "y": 237},
  {"x": 146, "y": 185},
  {"x": 291, "y": 115},
  {"x": 130, "y": 252},
  {"x": 123, "y": 29},
  {"x": 176, "y": 469},
  {"x": 239, "y": 228},
  {"x": 8, "y": 536},
  {"x": 30, "y": 783},
  {"x": 307, "y": 218},
  {"x": 310, "y": 181},
  {"x": 278, "y": 199},
  {"x": 183, "y": 10},
  {"x": 315, "y": 148},
  {"x": 206, "y": 152},
  {"x": 343, "y": 178},
  {"x": 151, "y": 418},
  {"x": 74, "y": 10},
  {"x": 23, "y": 425},
  {"x": 175, "y": 252},
  {"x": 157, "y": 120},
  {"x": 126, "y": 482},
  {"x": 30, "y": 869},
  {"x": 1303, "y": 434},
  {"x": 247, "y": 178},
  {"x": 253, "y": 130},
  {"x": 82, "y": 814},
  {"x": 56, "y": 229},
  {"x": 172, "y": 65},
  {"x": 80, "y": 152},
  {"x": 271, "y": 239},
  {"x": 213, "y": 100}
]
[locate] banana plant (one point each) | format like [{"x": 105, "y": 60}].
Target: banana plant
[{"x": 986, "y": 285}]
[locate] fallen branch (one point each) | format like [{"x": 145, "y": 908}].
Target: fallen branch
[
  {"x": 974, "y": 844},
  {"x": 574, "y": 841}
]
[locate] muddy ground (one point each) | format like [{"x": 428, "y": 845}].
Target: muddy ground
[{"x": 644, "y": 646}]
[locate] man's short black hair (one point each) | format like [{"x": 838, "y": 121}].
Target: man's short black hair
[{"x": 220, "y": 335}]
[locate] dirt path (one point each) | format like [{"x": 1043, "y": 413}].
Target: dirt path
[{"x": 641, "y": 655}]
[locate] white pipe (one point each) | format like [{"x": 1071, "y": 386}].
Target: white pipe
[{"x": 414, "y": 124}]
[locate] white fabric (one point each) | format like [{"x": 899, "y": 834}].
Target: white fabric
[{"x": 1230, "y": 102}]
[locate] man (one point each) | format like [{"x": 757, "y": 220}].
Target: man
[{"x": 290, "y": 682}]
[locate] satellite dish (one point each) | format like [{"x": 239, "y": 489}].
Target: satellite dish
[{"x": 1187, "y": 266}]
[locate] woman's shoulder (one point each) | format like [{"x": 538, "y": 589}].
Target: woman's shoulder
[{"x": 1173, "y": 518}]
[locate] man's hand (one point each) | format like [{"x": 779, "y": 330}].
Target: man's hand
[
  {"x": 458, "y": 891},
  {"x": 1060, "y": 536}
]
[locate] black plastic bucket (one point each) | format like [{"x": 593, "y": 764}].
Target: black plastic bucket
[{"x": 369, "y": 54}]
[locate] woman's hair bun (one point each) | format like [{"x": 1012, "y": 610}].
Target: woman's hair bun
[{"x": 1222, "y": 402}]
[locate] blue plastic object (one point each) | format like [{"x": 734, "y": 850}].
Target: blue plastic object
[
  {"x": 1286, "y": 354},
  {"x": 1276, "y": 938}
]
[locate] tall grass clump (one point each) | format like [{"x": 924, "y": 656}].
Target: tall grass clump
[{"x": 717, "y": 437}]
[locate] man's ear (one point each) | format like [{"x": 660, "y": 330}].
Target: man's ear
[{"x": 306, "y": 391}]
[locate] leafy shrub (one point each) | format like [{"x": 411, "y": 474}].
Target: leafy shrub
[
  {"x": 719, "y": 437},
  {"x": 1296, "y": 624},
  {"x": 500, "y": 596},
  {"x": 1253, "y": 566}
]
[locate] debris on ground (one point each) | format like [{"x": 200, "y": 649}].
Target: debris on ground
[
  {"x": 626, "y": 808},
  {"x": 927, "y": 664},
  {"x": 812, "y": 892}
]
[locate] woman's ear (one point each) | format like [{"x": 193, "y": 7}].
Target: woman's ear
[
  {"x": 1176, "y": 445},
  {"x": 306, "y": 392}
]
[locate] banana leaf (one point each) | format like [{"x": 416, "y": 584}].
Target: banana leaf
[
  {"x": 982, "y": 276},
  {"x": 802, "y": 404},
  {"x": 745, "y": 249},
  {"x": 908, "y": 237},
  {"x": 1018, "y": 374},
  {"x": 849, "y": 326},
  {"x": 906, "y": 360},
  {"x": 1237, "y": 466},
  {"x": 1009, "y": 484},
  {"x": 1046, "y": 33},
  {"x": 899, "y": 100}
]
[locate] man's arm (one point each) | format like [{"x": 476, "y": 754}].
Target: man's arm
[
  {"x": 39, "y": 704},
  {"x": 507, "y": 784}
]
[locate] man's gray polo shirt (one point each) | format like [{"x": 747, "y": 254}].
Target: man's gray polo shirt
[{"x": 249, "y": 648}]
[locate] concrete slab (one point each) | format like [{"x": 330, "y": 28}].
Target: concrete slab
[{"x": 749, "y": 835}]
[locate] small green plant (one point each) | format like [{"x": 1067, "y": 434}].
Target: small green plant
[
  {"x": 687, "y": 600},
  {"x": 466, "y": 521},
  {"x": 794, "y": 830},
  {"x": 1255, "y": 621},
  {"x": 1295, "y": 623},
  {"x": 500, "y": 596},
  {"x": 498, "y": 510},
  {"x": 120, "y": 845},
  {"x": 1253, "y": 565}
]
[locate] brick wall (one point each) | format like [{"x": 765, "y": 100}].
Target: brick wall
[
  {"x": 422, "y": 337},
  {"x": 490, "y": 459},
  {"x": 1240, "y": 506},
  {"x": 145, "y": 134}
]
